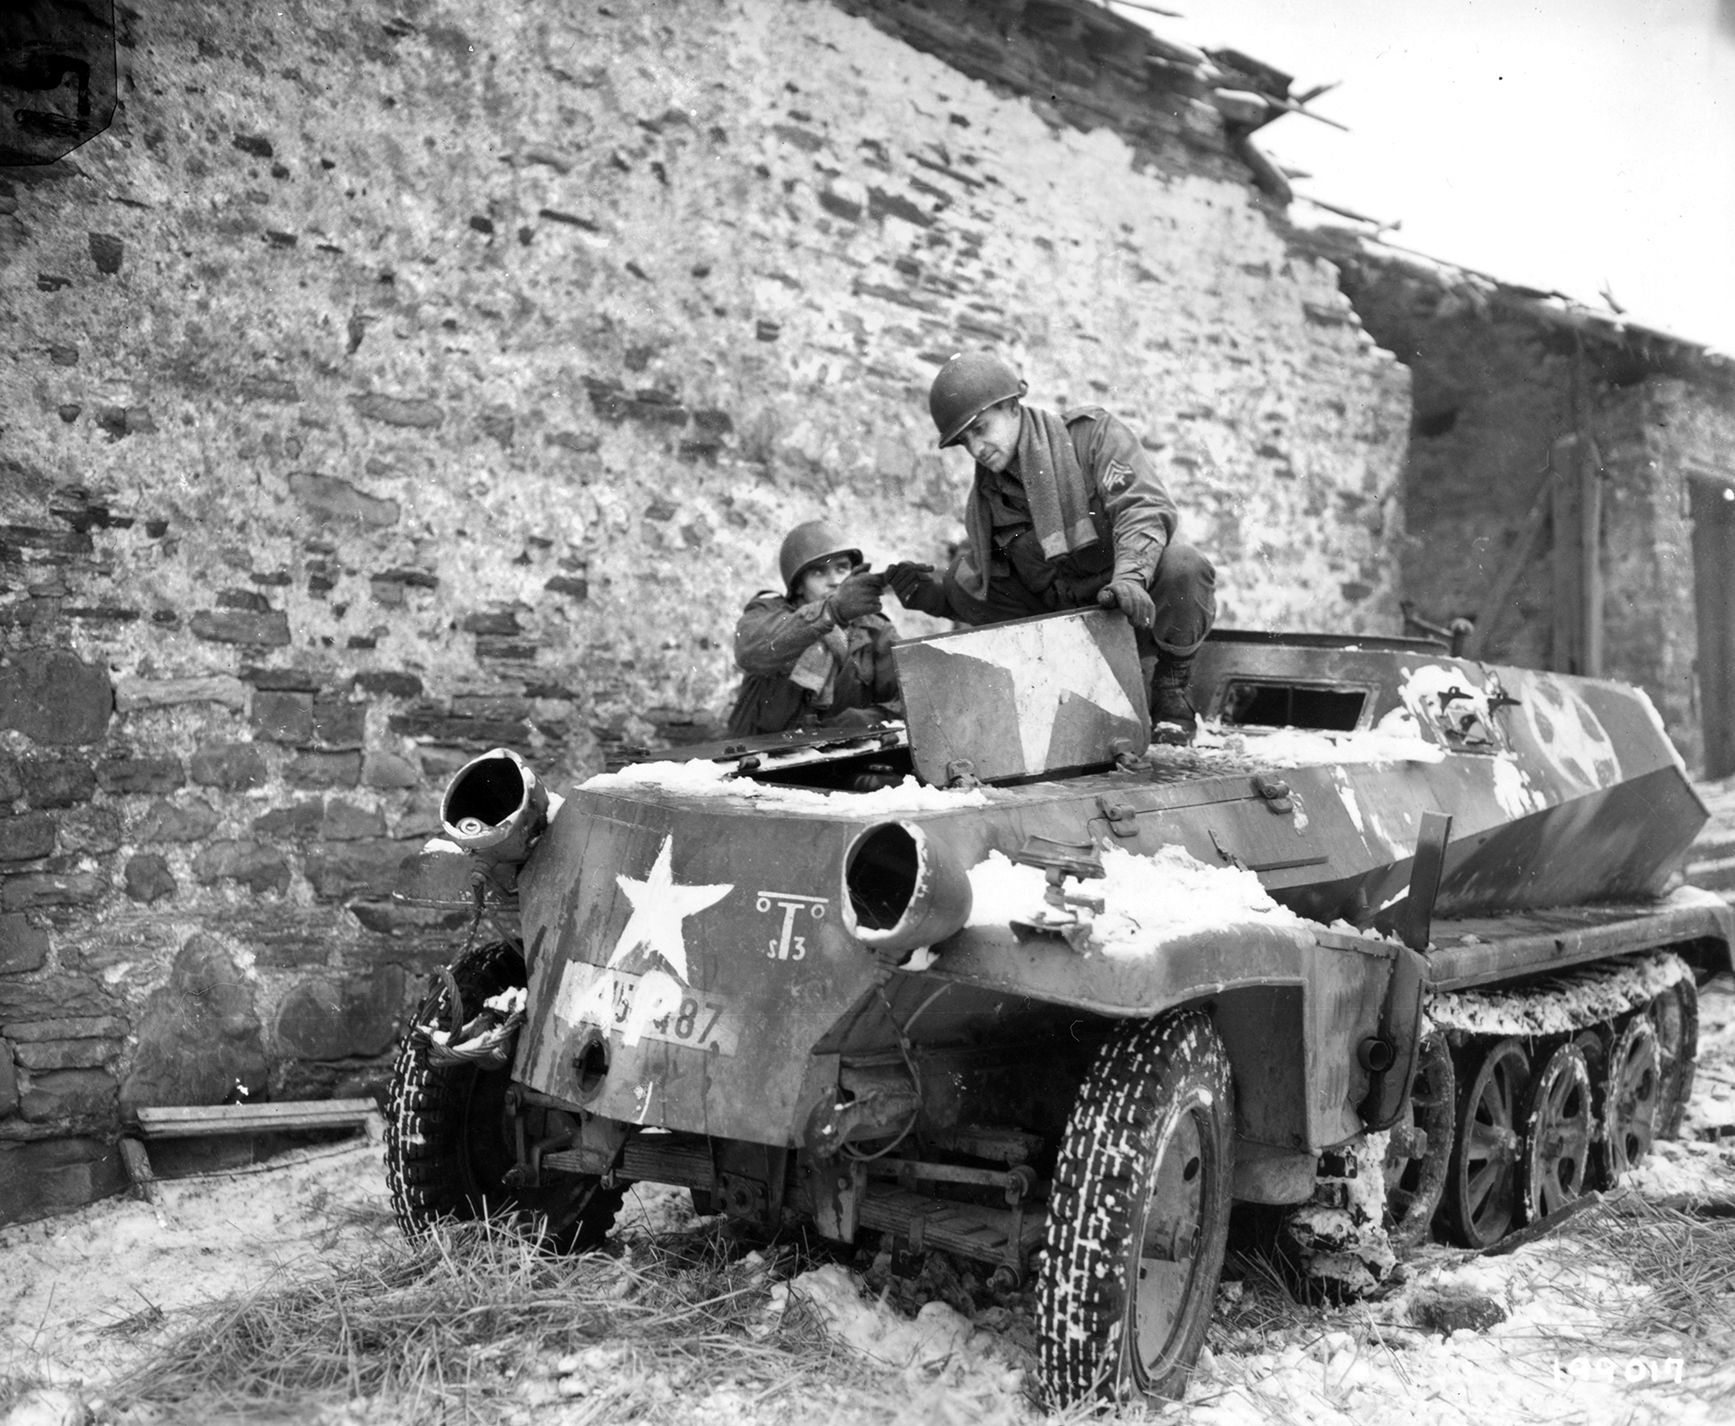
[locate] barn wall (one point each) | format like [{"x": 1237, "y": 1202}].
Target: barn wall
[
  {"x": 382, "y": 388},
  {"x": 1496, "y": 392},
  {"x": 1688, "y": 431}
]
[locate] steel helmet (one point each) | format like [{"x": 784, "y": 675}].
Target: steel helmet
[
  {"x": 808, "y": 544},
  {"x": 966, "y": 386}
]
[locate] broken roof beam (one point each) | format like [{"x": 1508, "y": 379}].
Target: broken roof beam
[
  {"x": 1268, "y": 79},
  {"x": 1291, "y": 106}
]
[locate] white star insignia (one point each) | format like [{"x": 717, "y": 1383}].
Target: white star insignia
[
  {"x": 1049, "y": 664},
  {"x": 659, "y": 908}
]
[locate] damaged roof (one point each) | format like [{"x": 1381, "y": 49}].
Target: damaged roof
[{"x": 1440, "y": 287}]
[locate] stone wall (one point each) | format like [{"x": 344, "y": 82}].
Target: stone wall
[
  {"x": 382, "y": 388},
  {"x": 1687, "y": 429},
  {"x": 1499, "y": 380}
]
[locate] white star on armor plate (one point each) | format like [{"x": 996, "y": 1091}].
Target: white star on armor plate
[
  {"x": 1049, "y": 664},
  {"x": 659, "y": 907}
]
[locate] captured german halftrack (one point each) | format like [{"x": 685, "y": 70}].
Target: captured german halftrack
[{"x": 1398, "y": 947}]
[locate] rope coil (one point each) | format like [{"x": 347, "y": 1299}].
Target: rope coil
[{"x": 486, "y": 1040}]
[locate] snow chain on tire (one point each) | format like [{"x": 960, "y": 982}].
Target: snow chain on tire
[
  {"x": 1155, "y": 1107},
  {"x": 448, "y": 1148}
]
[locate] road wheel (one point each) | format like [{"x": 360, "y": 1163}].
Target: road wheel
[
  {"x": 1593, "y": 1043},
  {"x": 1559, "y": 1128},
  {"x": 1139, "y": 1215},
  {"x": 1419, "y": 1148},
  {"x": 450, "y": 1141},
  {"x": 1482, "y": 1179},
  {"x": 1675, "y": 1014},
  {"x": 1631, "y": 1094}
]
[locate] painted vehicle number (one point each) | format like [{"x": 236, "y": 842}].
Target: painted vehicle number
[{"x": 699, "y": 1022}]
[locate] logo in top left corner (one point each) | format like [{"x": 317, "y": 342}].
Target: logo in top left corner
[{"x": 57, "y": 77}]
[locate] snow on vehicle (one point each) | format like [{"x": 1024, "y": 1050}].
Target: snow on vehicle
[{"x": 1394, "y": 946}]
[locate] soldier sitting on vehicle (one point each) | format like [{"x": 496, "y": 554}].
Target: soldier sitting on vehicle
[
  {"x": 819, "y": 653},
  {"x": 1068, "y": 512}
]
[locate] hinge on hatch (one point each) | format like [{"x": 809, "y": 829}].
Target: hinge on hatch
[
  {"x": 961, "y": 774},
  {"x": 1122, "y": 817}
]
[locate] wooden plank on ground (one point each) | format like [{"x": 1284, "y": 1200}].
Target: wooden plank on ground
[
  {"x": 171, "y": 1121},
  {"x": 138, "y": 1166}
]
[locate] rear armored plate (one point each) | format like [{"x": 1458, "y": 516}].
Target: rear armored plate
[
  {"x": 683, "y": 961},
  {"x": 1060, "y": 692}
]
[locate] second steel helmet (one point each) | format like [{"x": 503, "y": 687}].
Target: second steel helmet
[
  {"x": 807, "y": 544},
  {"x": 966, "y": 386}
]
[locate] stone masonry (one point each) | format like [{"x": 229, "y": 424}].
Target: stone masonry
[
  {"x": 385, "y": 386},
  {"x": 1503, "y": 388}
]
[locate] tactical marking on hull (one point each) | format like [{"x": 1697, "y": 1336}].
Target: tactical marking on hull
[
  {"x": 659, "y": 908},
  {"x": 1565, "y": 730},
  {"x": 787, "y": 945},
  {"x": 652, "y": 1006}
]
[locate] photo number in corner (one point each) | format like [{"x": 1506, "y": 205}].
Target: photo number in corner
[{"x": 57, "y": 77}]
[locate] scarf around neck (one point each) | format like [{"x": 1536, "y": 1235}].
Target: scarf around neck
[{"x": 1056, "y": 486}]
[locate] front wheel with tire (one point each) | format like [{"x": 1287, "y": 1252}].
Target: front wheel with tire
[
  {"x": 1139, "y": 1215},
  {"x": 450, "y": 1140}
]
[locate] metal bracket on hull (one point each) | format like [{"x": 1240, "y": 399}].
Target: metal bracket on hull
[{"x": 1415, "y": 914}]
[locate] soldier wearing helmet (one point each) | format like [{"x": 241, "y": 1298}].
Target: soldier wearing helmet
[
  {"x": 1066, "y": 511},
  {"x": 818, "y": 653}
]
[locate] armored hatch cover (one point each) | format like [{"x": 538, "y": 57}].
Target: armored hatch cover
[{"x": 1052, "y": 694}]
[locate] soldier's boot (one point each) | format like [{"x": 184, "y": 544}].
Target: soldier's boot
[{"x": 1174, "y": 720}]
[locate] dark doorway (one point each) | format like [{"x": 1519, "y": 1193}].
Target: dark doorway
[{"x": 1712, "y": 509}]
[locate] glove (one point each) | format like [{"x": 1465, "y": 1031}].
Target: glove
[
  {"x": 918, "y": 587},
  {"x": 857, "y": 596},
  {"x": 1134, "y": 600}
]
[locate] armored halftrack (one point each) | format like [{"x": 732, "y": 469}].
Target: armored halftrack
[{"x": 1397, "y": 946}]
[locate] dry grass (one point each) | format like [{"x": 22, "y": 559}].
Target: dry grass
[
  {"x": 476, "y": 1324},
  {"x": 1262, "y": 1304},
  {"x": 1687, "y": 1264}
]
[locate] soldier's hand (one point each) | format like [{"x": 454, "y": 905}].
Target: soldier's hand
[
  {"x": 905, "y": 578},
  {"x": 857, "y": 596},
  {"x": 917, "y": 587},
  {"x": 1133, "y": 599}
]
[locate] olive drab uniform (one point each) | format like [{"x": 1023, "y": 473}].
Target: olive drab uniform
[
  {"x": 802, "y": 669},
  {"x": 1056, "y": 532}
]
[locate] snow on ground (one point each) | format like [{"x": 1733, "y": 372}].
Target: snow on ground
[
  {"x": 79, "y": 1293},
  {"x": 1550, "y": 1360}
]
